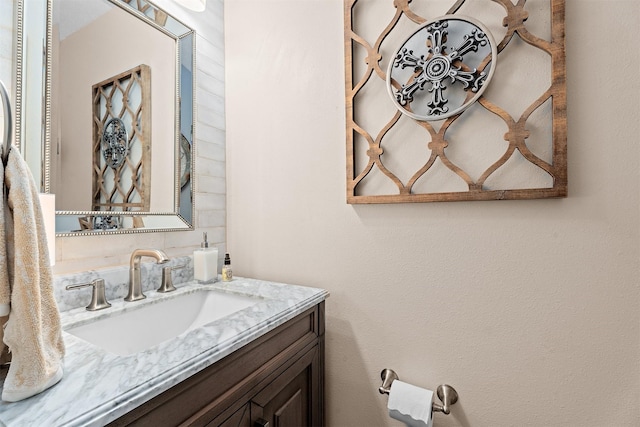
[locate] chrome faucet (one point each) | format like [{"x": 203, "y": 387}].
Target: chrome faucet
[{"x": 135, "y": 285}]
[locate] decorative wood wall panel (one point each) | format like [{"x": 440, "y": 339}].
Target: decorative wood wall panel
[
  {"x": 508, "y": 139},
  {"x": 125, "y": 187}
]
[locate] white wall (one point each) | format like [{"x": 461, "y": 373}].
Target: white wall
[
  {"x": 6, "y": 54},
  {"x": 6, "y": 43},
  {"x": 531, "y": 309},
  {"x": 82, "y": 253}
]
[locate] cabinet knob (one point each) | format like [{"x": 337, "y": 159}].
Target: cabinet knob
[{"x": 261, "y": 422}]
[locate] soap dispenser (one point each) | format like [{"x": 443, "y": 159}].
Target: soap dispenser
[{"x": 205, "y": 262}]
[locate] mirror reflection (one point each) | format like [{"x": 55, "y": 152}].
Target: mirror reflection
[{"x": 121, "y": 117}]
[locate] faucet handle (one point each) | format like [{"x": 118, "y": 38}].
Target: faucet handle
[
  {"x": 98, "y": 298},
  {"x": 167, "y": 282}
]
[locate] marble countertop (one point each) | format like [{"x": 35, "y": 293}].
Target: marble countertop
[{"x": 99, "y": 386}]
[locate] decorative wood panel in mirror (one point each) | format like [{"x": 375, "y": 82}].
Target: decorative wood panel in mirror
[
  {"x": 121, "y": 142},
  {"x": 498, "y": 131},
  {"x": 91, "y": 42}
]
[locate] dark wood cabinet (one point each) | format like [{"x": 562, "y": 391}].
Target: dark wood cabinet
[
  {"x": 286, "y": 402},
  {"x": 241, "y": 418},
  {"x": 276, "y": 380}
]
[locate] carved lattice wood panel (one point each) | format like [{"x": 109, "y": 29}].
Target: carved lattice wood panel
[
  {"x": 510, "y": 144},
  {"x": 125, "y": 187}
]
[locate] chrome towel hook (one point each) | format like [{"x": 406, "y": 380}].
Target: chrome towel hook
[
  {"x": 447, "y": 394},
  {"x": 6, "y": 142}
]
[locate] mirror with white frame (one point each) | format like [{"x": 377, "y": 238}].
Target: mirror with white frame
[{"x": 118, "y": 113}]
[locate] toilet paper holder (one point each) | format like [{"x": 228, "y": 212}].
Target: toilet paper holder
[{"x": 447, "y": 394}]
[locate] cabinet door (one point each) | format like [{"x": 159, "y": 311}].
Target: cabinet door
[{"x": 293, "y": 399}]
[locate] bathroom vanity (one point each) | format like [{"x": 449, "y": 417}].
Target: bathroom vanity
[
  {"x": 276, "y": 379},
  {"x": 260, "y": 364}
]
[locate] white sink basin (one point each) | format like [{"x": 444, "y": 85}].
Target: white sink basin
[{"x": 135, "y": 330}]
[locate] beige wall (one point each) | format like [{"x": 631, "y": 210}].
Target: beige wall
[{"x": 531, "y": 309}]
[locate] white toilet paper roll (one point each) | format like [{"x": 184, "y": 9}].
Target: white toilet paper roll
[{"x": 410, "y": 404}]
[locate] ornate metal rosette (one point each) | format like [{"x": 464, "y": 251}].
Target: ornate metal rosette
[
  {"x": 442, "y": 68},
  {"x": 107, "y": 222},
  {"x": 115, "y": 144}
]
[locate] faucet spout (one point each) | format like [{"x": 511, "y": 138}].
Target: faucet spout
[{"x": 135, "y": 279}]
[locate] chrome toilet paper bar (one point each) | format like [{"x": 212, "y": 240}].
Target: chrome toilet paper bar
[{"x": 447, "y": 394}]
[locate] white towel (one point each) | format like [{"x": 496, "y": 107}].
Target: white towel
[{"x": 33, "y": 332}]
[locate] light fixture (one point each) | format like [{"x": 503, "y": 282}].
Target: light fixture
[{"x": 195, "y": 5}]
